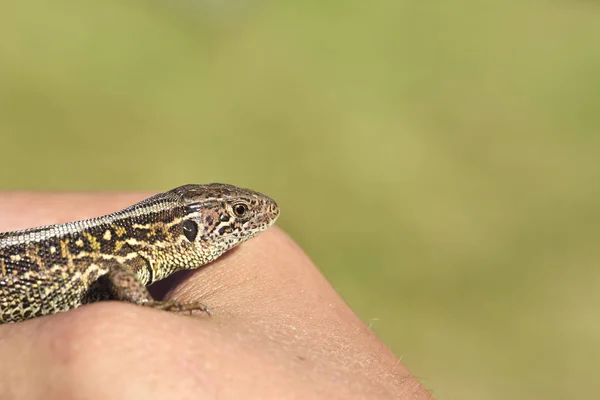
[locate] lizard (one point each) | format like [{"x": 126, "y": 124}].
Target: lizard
[{"x": 55, "y": 268}]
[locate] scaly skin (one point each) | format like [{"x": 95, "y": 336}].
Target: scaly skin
[{"x": 59, "y": 267}]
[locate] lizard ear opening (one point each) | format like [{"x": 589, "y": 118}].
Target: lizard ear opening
[{"x": 190, "y": 229}]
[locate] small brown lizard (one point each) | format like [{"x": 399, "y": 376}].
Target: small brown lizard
[{"x": 55, "y": 268}]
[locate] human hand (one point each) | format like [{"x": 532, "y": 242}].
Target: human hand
[{"x": 278, "y": 329}]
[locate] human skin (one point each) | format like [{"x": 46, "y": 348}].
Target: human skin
[{"x": 278, "y": 330}]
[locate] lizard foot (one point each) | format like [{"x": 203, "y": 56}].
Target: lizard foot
[{"x": 177, "y": 306}]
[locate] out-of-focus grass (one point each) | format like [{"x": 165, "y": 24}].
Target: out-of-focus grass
[{"x": 439, "y": 162}]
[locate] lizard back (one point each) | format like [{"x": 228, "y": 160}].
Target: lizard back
[
  {"x": 55, "y": 268},
  {"x": 52, "y": 268}
]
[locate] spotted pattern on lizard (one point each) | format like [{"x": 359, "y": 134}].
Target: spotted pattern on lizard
[{"x": 56, "y": 268}]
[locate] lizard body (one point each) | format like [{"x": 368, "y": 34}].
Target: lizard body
[{"x": 55, "y": 268}]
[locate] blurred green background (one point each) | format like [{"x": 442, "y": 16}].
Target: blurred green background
[{"x": 438, "y": 160}]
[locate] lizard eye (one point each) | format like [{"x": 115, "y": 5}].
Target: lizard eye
[
  {"x": 240, "y": 210},
  {"x": 190, "y": 230}
]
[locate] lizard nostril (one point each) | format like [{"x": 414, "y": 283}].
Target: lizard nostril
[{"x": 273, "y": 209}]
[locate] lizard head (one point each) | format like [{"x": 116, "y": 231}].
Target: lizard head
[{"x": 217, "y": 217}]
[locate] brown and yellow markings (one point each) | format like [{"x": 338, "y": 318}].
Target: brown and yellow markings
[
  {"x": 145, "y": 244},
  {"x": 148, "y": 226},
  {"x": 178, "y": 220},
  {"x": 93, "y": 271},
  {"x": 160, "y": 229},
  {"x": 34, "y": 256},
  {"x": 2, "y": 267},
  {"x": 65, "y": 253},
  {"x": 64, "y": 248},
  {"x": 91, "y": 240},
  {"x": 107, "y": 235},
  {"x": 120, "y": 231},
  {"x": 95, "y": 256},
  {"x": 151, "y": 230},
  {"x": 56, "y": 268},
  {"x": 119, "y": 245}
]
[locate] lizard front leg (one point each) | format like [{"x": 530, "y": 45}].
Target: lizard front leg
[{"x": 126, "y": 287}]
